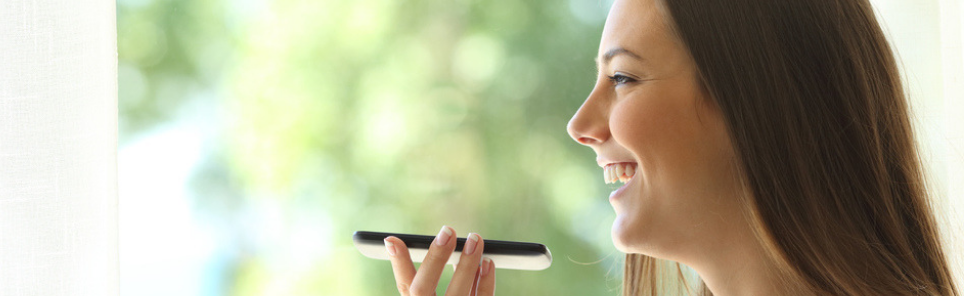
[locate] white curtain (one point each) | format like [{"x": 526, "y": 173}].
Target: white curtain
[
  {"x": 58, "y": 143},
  {"x": 927, "y": 36}
]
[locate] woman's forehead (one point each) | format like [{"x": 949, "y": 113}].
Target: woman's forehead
[{"x": 634, "y": 25}]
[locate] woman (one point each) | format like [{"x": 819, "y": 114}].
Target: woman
[{"x": 765, "y": 144}]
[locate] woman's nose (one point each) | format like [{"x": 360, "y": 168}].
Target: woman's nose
[{"x": 590, "y": 125}]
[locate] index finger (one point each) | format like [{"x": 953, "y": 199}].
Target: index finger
[
  {"x": 426, "y": 280},
  {"x": 402, "y": 264}
]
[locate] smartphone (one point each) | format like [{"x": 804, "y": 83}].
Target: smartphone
[{"x": 505, "y": 254}]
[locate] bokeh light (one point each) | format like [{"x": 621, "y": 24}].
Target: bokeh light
[{"x": 282, "y": 126}]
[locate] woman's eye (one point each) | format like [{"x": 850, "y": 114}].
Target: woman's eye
[{"x": 618, "y": 79}]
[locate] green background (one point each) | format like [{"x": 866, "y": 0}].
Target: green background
[{"x": 320, "y": 118}]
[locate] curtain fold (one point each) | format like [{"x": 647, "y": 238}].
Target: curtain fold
[{"x": 58, "y": 146}]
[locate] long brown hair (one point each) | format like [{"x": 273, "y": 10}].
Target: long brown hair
[{"x": 813, "y": 102}]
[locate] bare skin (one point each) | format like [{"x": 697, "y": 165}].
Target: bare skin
[
  {"x": 683, "y": 203},
  {"x": 473, "y": 276}
]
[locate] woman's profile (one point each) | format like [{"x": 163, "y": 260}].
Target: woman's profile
[{"x": 765, "y": 144}]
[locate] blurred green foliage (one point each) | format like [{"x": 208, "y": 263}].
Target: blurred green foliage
[{"x": 383, "y": 115}]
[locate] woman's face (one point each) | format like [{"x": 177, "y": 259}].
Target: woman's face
[{"x": 648, "y": 114}]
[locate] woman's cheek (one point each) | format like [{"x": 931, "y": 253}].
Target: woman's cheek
[{"x": 632, "y": 121}]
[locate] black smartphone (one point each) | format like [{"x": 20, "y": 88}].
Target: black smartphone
[{"x": 505, "y": 254}]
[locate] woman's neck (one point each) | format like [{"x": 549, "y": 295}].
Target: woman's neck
[{"x": 737, "y": 264}]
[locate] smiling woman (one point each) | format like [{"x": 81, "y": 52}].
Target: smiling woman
[
  {"x": 655, "y": 116},
  {"x": 765, "y": 144},
  {"x": 772, "y": 148}
]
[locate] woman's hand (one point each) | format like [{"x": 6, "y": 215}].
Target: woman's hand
[{"x": 472, "y": 276}]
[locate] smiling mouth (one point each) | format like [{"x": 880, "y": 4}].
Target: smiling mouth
[{"x": 619, "y": 172}]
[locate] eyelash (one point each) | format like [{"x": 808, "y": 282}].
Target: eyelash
[{"x": 618, "y": 79}]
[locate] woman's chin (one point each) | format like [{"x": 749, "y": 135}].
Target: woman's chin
[
  {"x": 621, "y": 247},
  {"x": 629, "y": 237},
  {"x": 621, "y": 239}
]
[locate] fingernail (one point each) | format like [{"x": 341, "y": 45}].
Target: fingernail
[
  {"x": 443, "y": 236},
  {"x": 470, "y": 244},
  {"x": 485, "y": 266},
  {"x": 390, "y": 247}
]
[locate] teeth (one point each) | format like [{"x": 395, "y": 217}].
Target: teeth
[
  {"x": 618, "y": 172},
  {"x": 615, "y": 173}
]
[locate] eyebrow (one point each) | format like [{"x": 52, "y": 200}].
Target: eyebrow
[{"x": 613, "y": 52}]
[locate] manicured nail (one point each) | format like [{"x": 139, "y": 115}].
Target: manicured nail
[
  {"x": 390, "y": 247},
  {"x": 443, "y": 236},
  {"x": 470, "y": 244},
  {"x": 485, "y": 266}
]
